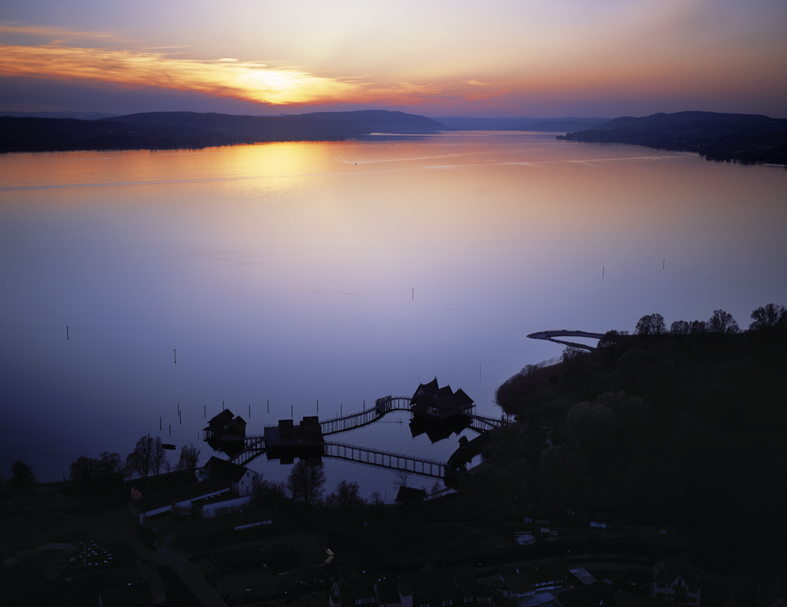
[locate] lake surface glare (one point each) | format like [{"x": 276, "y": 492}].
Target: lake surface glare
[{"x": 341, "y": 272}]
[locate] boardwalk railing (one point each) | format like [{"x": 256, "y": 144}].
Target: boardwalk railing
[
  {"x": 386, "y": 459},
  {"x": 356, "y": 420},
  {"x": 485, "y": 424},
  {"x": 255, "y": 445}
]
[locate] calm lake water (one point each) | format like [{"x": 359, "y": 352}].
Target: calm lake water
[{"x": 342, "y": 272}]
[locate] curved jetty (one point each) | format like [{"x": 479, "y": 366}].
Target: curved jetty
[{"x": 551, "y": 335}]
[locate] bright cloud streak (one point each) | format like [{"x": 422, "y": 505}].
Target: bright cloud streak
[
  {"x": 520, "y": 57},
  {"x": 224, "y": 77}
]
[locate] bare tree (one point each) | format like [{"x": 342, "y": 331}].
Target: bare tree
[
  {"x": 148, "y": 456},
  {"x": 158, "y": 458},
  {"x": 402, "y": 476},
  {"x": 189, "y": 457},
  {"x": 306, "y": 482},
  {"x": 139, "y": 460}
]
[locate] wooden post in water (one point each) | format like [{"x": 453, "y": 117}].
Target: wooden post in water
[
  {"x": 413, "y": 292},
  {"x": 159, "y": 423},
  {"x": 176, "y": 355},
  {"x": 663, "y": 262},
  {"x": 66, "y": 332},
  {"x": 249, "y": 411},
  {"x": 222, "y": 405}
]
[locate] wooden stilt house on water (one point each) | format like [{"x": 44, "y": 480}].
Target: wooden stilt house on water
[
  {"x": 225, "y": 425},
  {"x": 433, "y": 403}
]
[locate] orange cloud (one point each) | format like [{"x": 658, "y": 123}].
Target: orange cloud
[{"x": 223, "y": 77}]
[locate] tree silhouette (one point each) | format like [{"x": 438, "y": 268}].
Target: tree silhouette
[
  {"x": 722, "y": 322},
  {"x": 651, "y": 324},
  {"x": 769, "y": 318},
  {"x": 189, "y": 457},
  {"x": 22, "y": 475},
  {"x": 345, "y": 496},
  {"x": 306, "y": 482},
  {"x": 148, "y": 456}
]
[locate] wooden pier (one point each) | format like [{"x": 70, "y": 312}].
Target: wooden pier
[
  {"x": 254, "y": 446},
  {"x": 485, "y": 424},
  {"x": 382, "y": 407},
  {"x": 385, "y": 459}
]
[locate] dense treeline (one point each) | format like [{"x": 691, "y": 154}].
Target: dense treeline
[
  {"x": 744, "y": 138},
  {"x": 678, "y": 427},
  {"x": 181, "y": 130}
]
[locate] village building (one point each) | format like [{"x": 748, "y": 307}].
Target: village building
[
  {"x": 410, "y": 495},
  {"x": 242, "y": 480},
  {"x": 356, "y": 589},
  {"x": 528, "y": 581},
  {"x": 678, "y": 581},
  {"x": 221, "y": 505},
  {"x": 143, "y": 506},
  {"x": 444, "y": 587}
]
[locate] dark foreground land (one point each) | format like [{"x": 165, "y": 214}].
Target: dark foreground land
[
  {"x": 175, "y": 130},
  {"x": 744, "y": 138},
  {"x": 650, "y": 447}
]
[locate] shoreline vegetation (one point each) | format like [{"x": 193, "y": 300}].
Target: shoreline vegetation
[{"x": 742, "y": 138}]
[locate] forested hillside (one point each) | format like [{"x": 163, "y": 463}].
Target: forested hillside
[{"x": 670, "y": 427}]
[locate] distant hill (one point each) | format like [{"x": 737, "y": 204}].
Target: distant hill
[
  {"x": 552, "y": 125},
  {"x": 172, "y": 130},
  {"x": 383, "y": 121},
  {"x": 77, "y": 115},
  {"x": 563, "y": 125},
  {"x": 469, "y": 123},
  {"x": 745, "y": 138}
]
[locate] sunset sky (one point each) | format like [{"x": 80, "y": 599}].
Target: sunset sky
[{"x": 432, "y": 57}]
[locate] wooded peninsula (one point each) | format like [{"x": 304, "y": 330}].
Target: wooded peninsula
[{"x": 744, "y": 138}]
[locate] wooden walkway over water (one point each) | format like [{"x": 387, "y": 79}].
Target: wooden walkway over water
[
  {"x": 256, "y": 446},
  {"x": 382, "y": 407},
  {"x": 385, "y": 459}
]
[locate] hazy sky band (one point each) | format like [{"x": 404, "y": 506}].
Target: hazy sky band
[{"x": 498, "y": 57}]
